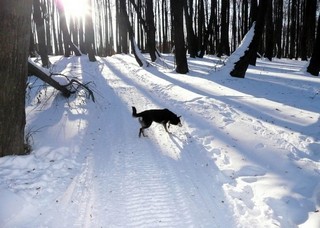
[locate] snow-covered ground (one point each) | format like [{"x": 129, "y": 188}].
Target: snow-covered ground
[{"x": 247, "y": 155}]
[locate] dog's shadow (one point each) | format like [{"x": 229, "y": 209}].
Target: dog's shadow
[{"x": 175, "y": 139}]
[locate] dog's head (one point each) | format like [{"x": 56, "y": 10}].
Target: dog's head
[{"x": 176, "y": 121}]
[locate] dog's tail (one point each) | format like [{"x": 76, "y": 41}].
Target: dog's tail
[{"x": 134, "y": 112}]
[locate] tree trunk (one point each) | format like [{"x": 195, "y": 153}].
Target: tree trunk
[
  {"x": 208, "y": 31},
  {"x": 293, "y": 29},
  {"x": 68, "y": 44},
  {"x": 129, "y": 29},
  {"x": 151, "y": 30},
  {"x": 39, "y": 21},
  {"x": 148, "y": 25},
  {"x": 180, "y": 51},
  {"x": 234, "y": 25},
  {"x": 241, "y": 66},
  {"x": 15, "y": 26},
  {"x": 54, "y": 34},
  {"x": 191, "y": 37},
  {"x": 314, "y": 65},
  {"x": 269, "y": 33},
  {"x": 165, "y": 24},
  {"x": 122, "y": 34},
  {"x": 253, "y": 12},
  {"x": 245, "y": 24},
  {"x": 224, "y": 47},
  {"x": 278, "y": 26},
  {"x": 89, "y": 34},
  {"x": 201, "y": 24},
  {"x": 308, "y": 28}
]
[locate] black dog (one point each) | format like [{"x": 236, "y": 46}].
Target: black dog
[{"x": 162, "y": 116}]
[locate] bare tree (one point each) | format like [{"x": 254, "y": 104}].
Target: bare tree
[
  {"x": 224, "y": 47},
  {"x": 314, "y": 66},
  {"x": 68, "y": 44},
  {"x": 241, "y": 66},
  {"x": 39, "y": 21},
  {"x": 14, "y": 45},
  {"x": 151, "y": 30},
  {"x": 148, "y": 25},
  {"x": 191, "y": 37},
  {"x": 124, "y": 15},
  {"x": 89, "y": 34},
  {"x": 293, "y": 29},
  {"x": 180, "y": 50},
  {"x": 278, "y": 26},
  {"x": 269, "y": 33},
  {"x": 308, "y": 28}
]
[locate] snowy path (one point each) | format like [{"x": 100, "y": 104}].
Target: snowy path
[
  {"x": 244, "y": 157},
  {"x": 144, "y": 181},
  {"x": 127, "y": 181}
]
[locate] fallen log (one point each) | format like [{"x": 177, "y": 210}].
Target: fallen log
[
  {"x": 66, "y": 89},
  {"x": 40, "y": 73}
]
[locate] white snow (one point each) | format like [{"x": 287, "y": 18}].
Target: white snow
[{"x": 247, "y": 155}]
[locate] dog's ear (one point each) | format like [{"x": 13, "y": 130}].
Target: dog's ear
[{"x": 179, "y": 117}]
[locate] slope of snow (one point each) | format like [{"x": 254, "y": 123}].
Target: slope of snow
[{"x": 247, "y": 155}]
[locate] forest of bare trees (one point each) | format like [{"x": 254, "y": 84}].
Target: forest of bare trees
[
  {"x": 284, "y": 29},
  {"x": 210, "y": 27}
]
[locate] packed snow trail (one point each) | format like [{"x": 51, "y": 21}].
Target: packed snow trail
[
  {"x": 126, "y": 181},
  {"x": 139, "y": 184},
  {"x": 244, "y": 157}
]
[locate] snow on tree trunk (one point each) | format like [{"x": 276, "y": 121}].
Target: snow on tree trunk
[
  {"x": 44, "y": 75},
  {"x": 59, "y": 81},
  {"x": 137, "y": 54},
  {"x": 239, "y": 52},
  {"x": 250, "y": 54}
]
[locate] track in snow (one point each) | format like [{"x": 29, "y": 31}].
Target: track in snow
[
  {"x": 126, "y": 181},
  {"x": 212, "y": 172}
]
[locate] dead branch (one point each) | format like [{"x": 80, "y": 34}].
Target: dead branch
[{"x": 66, "y": 89}]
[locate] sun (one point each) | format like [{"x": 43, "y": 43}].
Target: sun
[{"x": 75, "y": 8}]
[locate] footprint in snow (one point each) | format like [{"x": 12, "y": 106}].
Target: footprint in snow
[{"x": 260, "y": 146}]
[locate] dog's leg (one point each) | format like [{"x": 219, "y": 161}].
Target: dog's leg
[
  {"x": 165, "y": 127},
  {"x": 141, "y": 132},
  {"x": 145, "y": 123}
]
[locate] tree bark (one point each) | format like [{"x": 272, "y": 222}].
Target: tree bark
[
  {"x": 269, "y": 33},
  {"x": 314, "y": 65},
  {"x": 89, "y": 34},
  {"x": 224, "y": 47},
  {"x": 308, "y": 28},
  {"x": 121, "y": 30},
  {"x": 191, "y": 37},
  {"x": 180, "y": 51},
  {"x": 293, "y": 29},
  {"x": 39, "y": 21},
  {"x": 278, "y": 26},
  {"x": 151, "y": 30},
  {"x": 15, "y": 23},
  {"x": 208, "y": 30}
]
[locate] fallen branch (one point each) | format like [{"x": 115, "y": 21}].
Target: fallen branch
[
  {"x": 66, "y": 89},
  {"x": 34, "y": 69}
]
